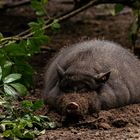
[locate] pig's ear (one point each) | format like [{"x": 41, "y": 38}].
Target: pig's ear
[
  {"x": 102, "y": 77},
  {"x": 60, "y": 71}
]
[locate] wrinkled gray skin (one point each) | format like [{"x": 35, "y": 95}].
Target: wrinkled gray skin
[{"x": 106, "y": 72}]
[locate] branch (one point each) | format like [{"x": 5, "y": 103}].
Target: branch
[
  {"x": 23, "y": 35},
  {"x": 26, "y": 34}
]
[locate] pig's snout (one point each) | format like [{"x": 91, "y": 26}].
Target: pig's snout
[{"x": 72, "y": 108}]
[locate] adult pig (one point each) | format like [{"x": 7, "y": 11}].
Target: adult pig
[{"x": 91, "y": 76}]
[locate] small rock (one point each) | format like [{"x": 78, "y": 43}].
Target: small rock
[
  {"x": 74, "y": 131},
  {"x": 129, "y": 129},
  {"x": 105, "y": 126}
]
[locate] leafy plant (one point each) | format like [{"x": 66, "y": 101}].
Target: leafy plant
[
  {"x": 17, "y": 119},
  {"x": 20, "y": 122}
]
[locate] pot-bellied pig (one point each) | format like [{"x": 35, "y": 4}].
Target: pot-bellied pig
[{"x": 91, "y": 76}]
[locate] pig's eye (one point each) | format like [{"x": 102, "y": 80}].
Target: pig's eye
[{"x": 73, "y": 86}]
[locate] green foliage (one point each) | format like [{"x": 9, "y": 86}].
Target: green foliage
[
  {"x": 55, "y": 26},
  {"x": 14, "y": 55},
  {"x": 9, "y": 81},
  {"x": 39, "y": 6},
  {"x": 21, "y": 122},
  {"x": 17, "y": 119},
  {"x": 134, "y": 27},
  {"x": 118, "y": 8}
]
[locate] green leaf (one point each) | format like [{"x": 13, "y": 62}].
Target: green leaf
[
  {"x": 41, "y": 21},
  {"x": 40, "y": 40},
  {"x": 7, "y": 133},
  {"x": 3, "y": 57},
  {"x": 22, "y": 123},
  {"x": 29, "y": 123},
  {"x": 0, "y": 73},
  {"x": 28, "y": 134},
  {"x": 34, "y": 25},
  {"x": 34, "y": 43},
  {"x": 37, "y": 118},
  {"x": 37, "y": 27},
  {"x": 118, "y": 8},
  {"x": 51, "y": 125},
  {"x": 27, "y": 71},
  {"x": 36, "y": 5},
  {"x": 14, "y": 49},
  {"x": 8, "y": 64},
  {"x": 33, "y": 46},
  {"x": 17, "y": 132},
  {"x": 40, "y": 13},
  {"x": 2, "y": 127},
  {"x": 1, "y": 36},
  {"x": 27, "y": 103},
  {"x": 39, "y": 7},
  {"x": 10, "y": 91},
  {"x": 12, "y": 77},
  {"x": 46, "y": 118},
  {"x": 7, "y": 68},
  {"x": 37, "y": 105},
  {"x": 44, "y": 1},
  {"x": 21, "y": 89},
  {"x": 55, "y": 25}
]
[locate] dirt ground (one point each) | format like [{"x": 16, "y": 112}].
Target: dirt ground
[{"x": 96, "y": 22}]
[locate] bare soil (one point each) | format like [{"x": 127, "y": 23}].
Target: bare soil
[{"x": 96, "y": 22}]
